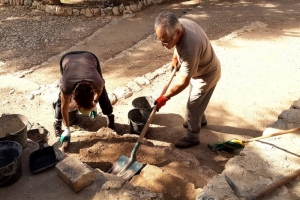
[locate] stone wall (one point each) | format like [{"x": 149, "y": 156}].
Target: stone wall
[{"x": 88, "y": 11}]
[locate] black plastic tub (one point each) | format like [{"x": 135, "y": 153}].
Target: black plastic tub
[
  {"x": 145, "y": 104},
  {"x": 137, "y": 121},
  {"x": 10, "y": 162}
]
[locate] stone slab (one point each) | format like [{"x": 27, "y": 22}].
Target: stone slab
[{"x": 76, "y": 174}]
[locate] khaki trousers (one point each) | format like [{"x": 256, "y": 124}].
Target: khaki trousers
[{"x": 195, "y": 108}]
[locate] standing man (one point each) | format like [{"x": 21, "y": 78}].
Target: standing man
[
  {"x": 81, "y": 79},
  {"x": 199, "y": 67}
]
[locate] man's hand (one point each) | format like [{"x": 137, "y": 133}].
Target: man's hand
[
  {"x": 160, "y": 102},
  {"x": 174, "y": 64}
]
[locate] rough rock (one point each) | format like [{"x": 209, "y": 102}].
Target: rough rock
[
  {"x": 121, "y": 8},
  {"x": 296, "y": 105},
  {"x": 142, "y": 81},
  {"x": 27, "y": 2},
  {"x": 133, "y": 86},
  {"x": 140, "y": 5},
  {"x": 115, "y": 10},
  {"x": 113, "y": 182},
  {"x": 133, "y": 7},
  {"x": 113, "y": 99},
  {"x": 60, "y": 10},
  {"x": 88, "y": 13},
  {"x": 122, "y": 92},
  {"x": 160, "y": 71},
  {"x": 76, "y": 174},
  {"x": 150, "y": 76},
  {"x": 155, "y": 179}
]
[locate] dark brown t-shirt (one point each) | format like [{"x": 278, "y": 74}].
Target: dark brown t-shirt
[{"x": 77, "y": 68}]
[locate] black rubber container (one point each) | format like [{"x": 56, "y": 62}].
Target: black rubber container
[
  {"x": 137, "y": 121},
  {"x": 145, "y": 104},
  {"x": 10, "y": 162}
]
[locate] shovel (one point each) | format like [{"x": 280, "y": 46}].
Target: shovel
[{"x": 127, "y": 167}]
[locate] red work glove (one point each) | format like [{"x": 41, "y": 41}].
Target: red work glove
[{"x": 160, "y": 102}]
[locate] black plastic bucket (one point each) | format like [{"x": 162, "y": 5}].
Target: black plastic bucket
[
  {"x": 136, "y": 121},
  {"x": 13, "y": 127},
  {"x": 10, "y": 162},
  {"x": 145, "y": 104}
]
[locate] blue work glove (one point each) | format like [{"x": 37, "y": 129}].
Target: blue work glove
[{"x": 66, "y": 135}]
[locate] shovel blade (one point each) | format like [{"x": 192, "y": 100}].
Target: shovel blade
[{"x": 118, "y": 168}]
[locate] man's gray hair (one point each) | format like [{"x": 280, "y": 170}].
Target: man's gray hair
[{"x": 167, "y": 20}]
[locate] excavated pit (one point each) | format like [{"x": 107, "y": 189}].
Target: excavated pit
[{"x": 174, "y": 173}]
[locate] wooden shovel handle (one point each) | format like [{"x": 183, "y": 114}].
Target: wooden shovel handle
[
  {"x": 155, "y": 108},
  {"x": 169, "y": 82},
  {"x": 273, "y": 134},
  {"x": 275, "y": 185},
  {"x": 147, "y": 124}
]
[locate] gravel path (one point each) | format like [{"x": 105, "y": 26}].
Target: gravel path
[{"x": 29, "y": 37}]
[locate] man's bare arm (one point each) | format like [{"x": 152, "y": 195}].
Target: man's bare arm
[
  {"x": 178, "y": 87},
  {"x": 65, "y": 102}
]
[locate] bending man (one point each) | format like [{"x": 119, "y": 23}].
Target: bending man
[
  {"x": 199, "y": 68},
  {"x": 81, "y": 79}
]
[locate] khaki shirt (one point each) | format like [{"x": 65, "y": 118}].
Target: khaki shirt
[{"x": 197, "y": 57}]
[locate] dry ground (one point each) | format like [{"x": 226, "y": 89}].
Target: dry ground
[{"x": 257, "y": 42}]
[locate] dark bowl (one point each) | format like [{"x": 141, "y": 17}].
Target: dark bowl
[{"x": 38, "y": 135}]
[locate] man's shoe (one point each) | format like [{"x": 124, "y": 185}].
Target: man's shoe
[
  {"x": 203, "y": 123},
  {"x": 111, "y": 121},
  {"x": 57, "y": 128},
  {"x": 185, "y": 143}
]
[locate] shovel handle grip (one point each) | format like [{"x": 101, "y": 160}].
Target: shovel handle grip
[
  {"x": 273, "y": 134},
  {"x": 275, "y": 185}
]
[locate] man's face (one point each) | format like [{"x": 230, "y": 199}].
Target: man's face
[{"x": 167, "y": 41}]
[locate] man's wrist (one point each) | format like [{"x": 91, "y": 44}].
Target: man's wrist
[{"x": 166, "y": 97}]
